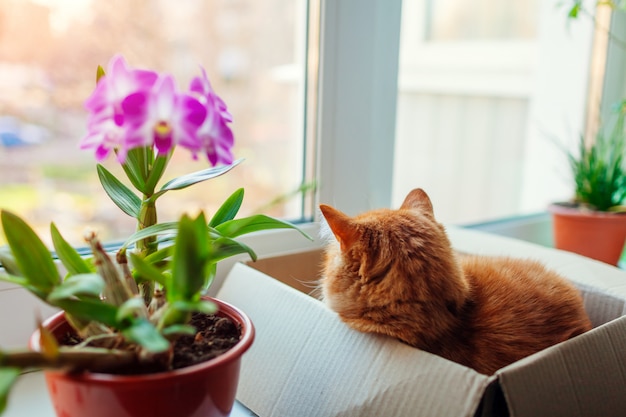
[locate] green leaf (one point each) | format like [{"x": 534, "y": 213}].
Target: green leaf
[
  {"x": 160, "y": 255},
  {"x": 131, "y": 308},
  {"x": 210, "y": 271},
  {"x": 157, "y": 171},
  {"x": 71, "y": 259},
  {"x": 90, "y": 310},
  {"x": 154, "y": 230},
  {"x": 574, "y": 11},
  {"x": 123, "y": 197},
  {"x": 225, "y": 247},
  {"x": 7, "y": 261},
  {"x": 8, "y": 376},
  {"x": 179, "y": 312},
  {"x": 255, "y": 223},
  {"x": 200, "y": 306},
  {"x": 145, "y": 271},
  {"x": 14, "y": 279},
  {"x": 190, "y": 255},
  {"x": 135, "y": 167},
  {"x": 185, "y": 181},
  {"x": 144, "y": 333},
  {"x": 31, "y": 255},
  {"x": 77, "y": 285},
  {"x": 25, "y": 283},
  {"x": 228, "y": 209},
  {"x": 172, "y": 316},
  {"x": 179, "y": 329}
]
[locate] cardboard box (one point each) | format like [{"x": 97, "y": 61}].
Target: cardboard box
[{"x": 306, "y": 362}]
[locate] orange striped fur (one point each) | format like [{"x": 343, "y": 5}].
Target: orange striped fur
[{"x": 394, "y": 272}]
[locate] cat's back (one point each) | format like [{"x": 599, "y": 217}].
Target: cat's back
[{"x": 520, "y": 307}]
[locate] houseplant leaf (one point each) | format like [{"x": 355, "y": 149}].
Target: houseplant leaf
[
  {"x": 134, "y": 167},
  {"x": 145, "y": 270},
  {"x": 142, "y": 332},
  {"x": 132, "y": 308},
  {"x": 190, "y": 255},
  {"x": 90, "y": 310},
  {"x": 7, "y": 261},
  {"x": 71, "y": 259},
  {"x": 77, "y": 285},
  {"x": 257, "y": 222},
  {"x": 121, "y": 195},
  {"x": 185, "y": 181},
  {"x": 31, "y": 255},
  {"x": 229, "y": 209},
  {"x": 156, "y": 173},
  {"x": 225, "y": 247},
  {"x": 7, "y": 379},
  {"x": 178, "y": 329},
  {"x": 154, "y": 230},
  {"x": 201, "y": 306}
]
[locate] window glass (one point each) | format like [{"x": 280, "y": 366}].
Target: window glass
[
  {"x": 490, "y": 93},
  {"x": 481, "y": 19},
  {"x": 252, "y": 50}
]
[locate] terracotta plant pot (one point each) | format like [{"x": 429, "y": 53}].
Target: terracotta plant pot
[
  {"x": 597, "y": 235},
  {"x": 204, "y": 390}
]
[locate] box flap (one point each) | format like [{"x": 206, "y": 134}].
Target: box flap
[
  {"x": 300, "y": 270},
  {"x": 585, "y": 376},
  {"x": 306, "y": 362},
  {"x": 602, "y": 307}
]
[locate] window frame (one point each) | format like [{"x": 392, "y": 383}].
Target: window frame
[
  {"x": 358, "y": 73},
  {"x": 356, "y": 118}
]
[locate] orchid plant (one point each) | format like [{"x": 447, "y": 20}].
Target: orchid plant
[{"x": 128, "y": 314}]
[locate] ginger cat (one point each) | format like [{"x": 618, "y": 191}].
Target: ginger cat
[{"x": 394, "y": 272}]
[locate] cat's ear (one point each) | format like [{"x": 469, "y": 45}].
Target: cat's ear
[
  {"x": 418, "y": 199},
  {"x": 341, "y": 225}
]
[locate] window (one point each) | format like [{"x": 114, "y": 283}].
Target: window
[
  {"x": 367, "y": 156},
  {"x": 483, "y": 19},
  {"x": 255, "y": 55},
  {"x": 488, "y": 94}
]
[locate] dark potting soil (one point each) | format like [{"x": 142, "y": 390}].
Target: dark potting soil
[{"x": 215, "y": 335}]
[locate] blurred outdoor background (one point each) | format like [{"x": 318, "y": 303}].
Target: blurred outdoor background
[
  {"x": 253, "y": 52},
  {"x": 490, "y": 93}
]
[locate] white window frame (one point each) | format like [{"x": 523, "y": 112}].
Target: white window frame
[
  {"x": 357, "y": 102},
  {"x": 356, "y": 117}
]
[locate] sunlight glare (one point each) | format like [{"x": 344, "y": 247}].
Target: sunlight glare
[{"x": 63, "y": 12}]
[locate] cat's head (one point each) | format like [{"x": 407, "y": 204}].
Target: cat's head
[{"x": 387, "y": 257}]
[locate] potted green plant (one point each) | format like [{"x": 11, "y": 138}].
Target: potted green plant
[
  {"x": 594, "y": 223},
  {"x": 135, "y": 334}
]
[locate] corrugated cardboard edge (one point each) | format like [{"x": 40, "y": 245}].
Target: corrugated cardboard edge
[
  {"x": 306, "y": 362},
  {"x": 585, "y": 376}
]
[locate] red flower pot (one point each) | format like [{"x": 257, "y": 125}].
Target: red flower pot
[
  {"x": 595, "y": 234},
  {"x": 203, "y": 390}
]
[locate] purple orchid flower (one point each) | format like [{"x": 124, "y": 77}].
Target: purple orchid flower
[
  {"x": 133, "y": 108},
  {"x": 162, "y": 117},
  {"x": 215, "y": 136},
  {"x": 106, "y": 128}
]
